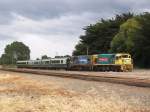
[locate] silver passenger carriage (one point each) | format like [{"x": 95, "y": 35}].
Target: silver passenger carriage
[{"x": 52, "y": 63}]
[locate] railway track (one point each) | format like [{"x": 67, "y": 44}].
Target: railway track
[{"x": 114, "y": 77}]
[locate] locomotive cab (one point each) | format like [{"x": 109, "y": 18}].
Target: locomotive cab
[{"x": 125, "y": 61}]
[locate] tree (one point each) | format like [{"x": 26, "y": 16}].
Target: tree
[
  {"x": 142, "y": 42},
  {"x": 5, "y": 59},
  {"x": 80, "y": 49},
  {"x": 124, "y": 40},
  {"x": 98, "y": 36},
  {"x": 15, "y": 51},
  {"x": 44, "y": 57},
  {"x": 37, "y": 58},
  {"x": 134, "y": 37}
]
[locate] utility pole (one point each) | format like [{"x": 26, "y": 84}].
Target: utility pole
[
  {"x": 87, "y": 50},
  {"x": 14, "y": 57}
]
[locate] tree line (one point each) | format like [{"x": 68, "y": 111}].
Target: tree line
[{"x": 125, "y": 33}]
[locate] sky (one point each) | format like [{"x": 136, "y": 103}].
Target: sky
[{"x": 53, "y": 27}]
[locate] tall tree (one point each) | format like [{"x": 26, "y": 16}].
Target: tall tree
[
  {"x": 134, "y": 37},
  {"x": 98, "y": 36},
  {"x": 142, "y": 42},
  {"x": 15, "y": 51},
  {"x": 124, "y": 40}
]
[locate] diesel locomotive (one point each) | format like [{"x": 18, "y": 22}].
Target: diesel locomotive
[{"x": 98, "y": 62}]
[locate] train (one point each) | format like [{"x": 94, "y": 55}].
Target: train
[{"x": 120, "y": 62}]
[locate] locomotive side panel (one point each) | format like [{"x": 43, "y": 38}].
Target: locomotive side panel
[
  {"x": 82, "y": 62},
  {"x": 112, "y": 62}
]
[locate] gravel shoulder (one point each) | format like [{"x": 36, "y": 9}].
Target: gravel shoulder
[
  {"x": 136, "y": 78},
  {"x": 47, "y": 93}
]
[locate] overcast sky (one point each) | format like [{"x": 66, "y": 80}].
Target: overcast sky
[{"x": 53, "y": 26}]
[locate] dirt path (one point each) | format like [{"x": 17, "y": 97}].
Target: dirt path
[{"x": 22, "y": 92}]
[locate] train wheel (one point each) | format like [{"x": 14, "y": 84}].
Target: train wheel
[
  {"x": 117, "y": 69},
  {"x": 123, "y": 68},
  {"x": 111, "y": 68},
  {"x": 103, "y": 68},
  {"x": 106, "y": 68}
]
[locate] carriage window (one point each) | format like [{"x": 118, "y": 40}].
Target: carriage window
[
  {"x": 46, "y": 62},
  {"x": 117, "y": 57},
  {"x": 125, "y": 56},
  {"x": 55, "y": 62},
  {"x": 35, "y": 62},
  {"x": 21, "y": 63},
  {"x": 58, "y": 61}
]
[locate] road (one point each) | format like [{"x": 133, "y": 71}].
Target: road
[{"x": 72, "y": 94}]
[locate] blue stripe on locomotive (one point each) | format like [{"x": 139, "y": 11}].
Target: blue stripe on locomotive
[{"x": 82, "y": 60}]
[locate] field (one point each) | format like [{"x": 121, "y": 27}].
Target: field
[{"x": 21, "y": 92}]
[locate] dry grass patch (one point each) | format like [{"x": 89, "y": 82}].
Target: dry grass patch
[
  {"x": 48, "y": 103},
  {"x": 19, "y": 94},
  {"x": 21, "y": 85}
]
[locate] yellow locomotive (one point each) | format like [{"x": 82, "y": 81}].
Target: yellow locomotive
[
  {"x": 112, "y": 62},
  {"x": 125, "y": 61}
]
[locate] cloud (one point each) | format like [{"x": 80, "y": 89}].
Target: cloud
[
  {"x": 42, "y": 9},
  {"x": 50, "y": 26},
  {"x": 47, "y": 36}
]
